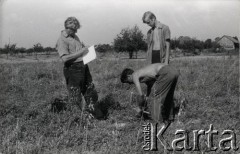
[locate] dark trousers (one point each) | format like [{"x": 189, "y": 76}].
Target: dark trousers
[
  {"x": 156, "y": 56},
  {"x": 79, "y": 83},
  {"x": 164, "y": 87}
]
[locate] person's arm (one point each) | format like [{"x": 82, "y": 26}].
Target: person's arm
[
  {"x": 167, "y": 51},
  {"x": 149, "y": 87},
  {"x": 141, "y": 99},
  {"x": 137, "y": 82},
  {"x": 63, "y": 50},
  {"x": 148, "y": 58},
  {"x": 74, "y": 56},
  {"x": 167, "y": 36}
]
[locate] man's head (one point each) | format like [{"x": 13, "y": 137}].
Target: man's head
[
  {"x": 71, "y": 25},
  {"x": 149, "y": 18},
  {"x": 126, "y": 76}
]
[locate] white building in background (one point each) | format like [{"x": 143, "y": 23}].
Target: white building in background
[{"x": 228, "y": 42}]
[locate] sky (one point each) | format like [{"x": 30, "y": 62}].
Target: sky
[{"x": 27, "y": 22}]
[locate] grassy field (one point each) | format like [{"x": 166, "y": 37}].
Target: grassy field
[{"x": 210, "y": 86}]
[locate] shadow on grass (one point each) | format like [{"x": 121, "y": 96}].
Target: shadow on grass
[
  {"x": 107, "y": 104},
  {"x": 103, "y": 107}
]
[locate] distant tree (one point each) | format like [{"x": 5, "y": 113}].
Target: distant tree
[
  {"x": 9, "y": 49},
  {"x": 174, "y": 43},
  {"x": 1, "y": 51},
  {"x": 216, "y": 47},
  {"x": 29, "y": 51},
  {"x": 103, "y": 48},
  {"x": 21, "y": 50},
  {"x": 198, "y": 45},
  {"x": 130, "y": 40},
  {"x": 48, "y": 50},
  {"x": 208, "y": 44},
  {"x": 37, "y": 49},
  {"x": 5, "y": 50},
  {"x": 191, "y": 46},
  {"x": 184, "y": 39}
]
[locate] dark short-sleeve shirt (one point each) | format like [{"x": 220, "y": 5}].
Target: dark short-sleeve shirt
[{"x": 67, "y": 44}]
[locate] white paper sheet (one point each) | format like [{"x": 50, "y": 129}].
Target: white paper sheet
[{"x": 90, "y": 56}]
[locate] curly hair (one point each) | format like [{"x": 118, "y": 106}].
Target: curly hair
[
  {"x": 72, "y": 22},
  {"x": 125, "y": 73}
]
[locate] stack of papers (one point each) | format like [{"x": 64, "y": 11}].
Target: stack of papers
[{"x": 90, "y": 56}]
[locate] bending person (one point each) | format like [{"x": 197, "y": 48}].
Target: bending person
[{"x": 163, "y": 79}]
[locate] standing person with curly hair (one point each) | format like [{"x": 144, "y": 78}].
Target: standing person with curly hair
[
  {"x": 77, "y": 75},
  {"x": 158, "y": 40}
]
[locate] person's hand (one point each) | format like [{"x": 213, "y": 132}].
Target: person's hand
[{"x": 85, "y": 51}]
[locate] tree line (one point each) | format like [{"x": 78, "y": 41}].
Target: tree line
[
  {"x": 13, "y": 50},
  {"x": 130, "y": 40},
  {"x": 194, "y": 46}
]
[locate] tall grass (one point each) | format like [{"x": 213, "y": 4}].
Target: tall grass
[{"x": 211, "y": 87}]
